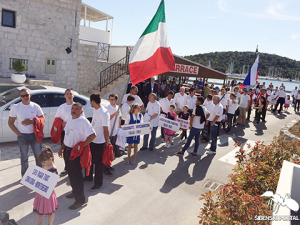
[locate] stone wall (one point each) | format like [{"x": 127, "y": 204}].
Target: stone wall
[
  {"x": 43, "y": 30},
  {"x": 89, "y": 68}
]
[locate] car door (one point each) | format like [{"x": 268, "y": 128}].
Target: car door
[{"x": 43, "y": 100}]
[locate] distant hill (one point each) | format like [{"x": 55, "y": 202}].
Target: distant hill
[{"x": 269, "y": 64}]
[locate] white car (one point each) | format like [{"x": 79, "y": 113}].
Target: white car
[{"x": 49, "y": 98}]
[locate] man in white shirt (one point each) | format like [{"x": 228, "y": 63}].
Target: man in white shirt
[
  {"x": 224, "y": 97},
  {"x": 115, "y": 123},
  {"x": 64, "y": 112},
  {"x": 77, "y": 129},
  {"x": 20, "y": 121},
  {"x": 244, "y": 104},
  {"x": 133, "y": 91},
  {"x": 180, "y": 100},
  {"x": 191, "y": 100},
  {"x": 209, "y": 105},
  {"x": 294, "y": 93},
  {"x": 100, "y": 123},
  {"x": 280, "y": 100},
  {"x": 165, "y": 109},
  {"x": 126, "y": 108},
  {"x": 215, "y": 118},
  {"x": 152, "y": 112},
  {"x": 199, "y": 115}
]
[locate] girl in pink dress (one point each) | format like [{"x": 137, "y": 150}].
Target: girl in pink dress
[
  {"x": 43, "y": 206},
  {"x": 169, "y": 133}
]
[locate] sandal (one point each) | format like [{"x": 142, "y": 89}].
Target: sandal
[
  {"x": 127, "y": 163},
  {"x": 132, "y": 163}
]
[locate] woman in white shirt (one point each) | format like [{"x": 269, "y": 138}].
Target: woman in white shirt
[{"x": 232, "y": 106}]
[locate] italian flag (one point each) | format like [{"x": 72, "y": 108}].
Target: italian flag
[{"x": 152, "y": 54}]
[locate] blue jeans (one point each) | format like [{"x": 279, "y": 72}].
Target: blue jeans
[
  {"x": 213, "y": 137},
  {"x": 152, "y": 140},
  {"x": 194, "y": 133},
  {"x": 24, "y": 141}
]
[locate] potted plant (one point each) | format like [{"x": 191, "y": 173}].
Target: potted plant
[{"x": 19, "y": 67}]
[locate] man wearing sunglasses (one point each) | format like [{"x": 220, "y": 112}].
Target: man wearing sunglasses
[{"x": 21, "y": 120}]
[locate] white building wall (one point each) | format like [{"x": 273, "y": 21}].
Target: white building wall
[
  {"x": 92, "y": 34},
  {"x": 43, "y": 30}
]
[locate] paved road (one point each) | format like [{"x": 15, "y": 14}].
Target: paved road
[{"x": 160, "y": 189}]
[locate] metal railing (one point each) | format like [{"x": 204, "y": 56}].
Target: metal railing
[
  {"x": 115, "y": 71},
  {"x": 103, "y": 49}
]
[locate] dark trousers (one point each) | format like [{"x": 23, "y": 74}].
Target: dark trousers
[
  {"x": 162, "y": 132},
  {"x": 206, "y": 131},
  {"x": 75, "y": 175},
  {"x": 113, "y": 140},
  {"x": 61, "y": 142},
  {"x": 97, "y": 155},
  {"x": 249, "y": 113},
  {"x": 183, "y": 134},
  {"x": 237, "y": 113},
  {"x": 213, "y": 137},
  {"x": 194, "y": 133},
  {"x": 297, "y": 105},
  {"x": 263, "y": 115},
  {"x": 229, "y": 122},
  {"x": 280, "y": 101}
]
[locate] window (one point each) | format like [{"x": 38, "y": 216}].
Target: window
[
  {"x": 80, "y": 100},
  {"x": 41, "y": 99},
  {"x": 12, "y": 60},
  {"x": 8, "y": 18},
  {"x": 56, "y": 100}
]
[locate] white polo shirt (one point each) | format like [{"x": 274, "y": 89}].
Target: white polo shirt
[
  {"x": 101, "y": 118},
  {"x": 125, "y": 110},
  {"x": 224, "y": 100},
  {"x": 244, "y": 100},
  {"x": 217, "y": 111},
  {"x": 180, "y": 100},
  {"x": 77, "y": 130},
  {"x": 153, "y": 108},
  {"x": 191, "y": 101},
  {"x": 294, "y": 92},
  {"x": 22, "y": 112},
  {"x": 165, "y": 104},
  {"x": 137, "y": 100},
  {"x": 232, "y": 106},
  {"x": 111, "y": 110},
  {"x": 281, "y": 94},
  {"x": 64, "y": 112},
  {"x": 209, "y": 105},
  {"x": 196, "y": 121}
]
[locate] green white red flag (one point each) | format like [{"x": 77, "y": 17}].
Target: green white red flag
[{"x": 152, "y": 54}]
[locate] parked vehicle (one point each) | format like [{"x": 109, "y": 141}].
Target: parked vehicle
[{"x": 49, "y": 98}]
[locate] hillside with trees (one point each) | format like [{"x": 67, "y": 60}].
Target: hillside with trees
[{"x": 240, "y": 62}]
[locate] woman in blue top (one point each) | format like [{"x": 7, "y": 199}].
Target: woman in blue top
[{"x": 133, "y": 117}]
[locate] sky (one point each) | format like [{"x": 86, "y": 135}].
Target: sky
[{"x": 203, "y": 26}]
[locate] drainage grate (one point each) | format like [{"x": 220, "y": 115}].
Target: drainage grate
[{"x": 212, "y": 185}]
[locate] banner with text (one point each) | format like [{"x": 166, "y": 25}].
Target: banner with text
[
  {"x": 184, "y": 124},
  {"x": 180, "y": 68},
  {"x": 132, "y": 130},
  {"x": 40, "y": 180},
  {"x": 169, "y": 124}
]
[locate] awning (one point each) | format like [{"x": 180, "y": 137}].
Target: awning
[
  {"x": 188, "y": 68},
  {"x": 92, "y": 14}
]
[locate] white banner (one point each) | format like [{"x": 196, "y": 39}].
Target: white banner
[
  {"x": 184, "y": 124},
  {"x": 40, "y": 180},
  {"x": 132, "y": 130},
  {"x": 169, "y": 124},
  {"x": 180, "y": 68}
]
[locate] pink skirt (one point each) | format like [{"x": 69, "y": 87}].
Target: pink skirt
[
  {"x": 169, "y": 132},
  {"x": 44, "y": 206},
  {"x": 286, "y": 105}
]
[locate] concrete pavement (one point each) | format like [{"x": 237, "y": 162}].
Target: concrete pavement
[{"x": 160, "y": 189}]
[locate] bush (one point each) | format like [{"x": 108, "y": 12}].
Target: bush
[
  {"x": 19, "y": 66},
  {"x": 239, "y": 201}
]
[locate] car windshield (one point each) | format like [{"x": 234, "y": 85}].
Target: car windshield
[{"x": 9, "y": 95}]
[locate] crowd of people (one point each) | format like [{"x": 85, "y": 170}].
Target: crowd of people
[{"x": 208, "y": 110}]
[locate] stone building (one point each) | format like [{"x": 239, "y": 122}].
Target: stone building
[{"x": 54, "y": 38}]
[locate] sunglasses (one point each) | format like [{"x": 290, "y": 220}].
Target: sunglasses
[{"x": 27, "y": 95}]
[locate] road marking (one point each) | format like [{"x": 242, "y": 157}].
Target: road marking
[{"x": 230, "y": 157}]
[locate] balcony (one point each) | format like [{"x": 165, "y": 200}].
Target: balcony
[{"x": 95, "y": 26}]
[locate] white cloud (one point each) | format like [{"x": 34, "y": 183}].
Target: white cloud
[
  {"x": 274, "y": 11},
  {"x": 295, "y": 36}
]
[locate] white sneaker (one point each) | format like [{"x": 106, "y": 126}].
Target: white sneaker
[
  {"x": 168, "y": 146},
  {"x": 211, "y": 152},
  {"x": 162, "y": 140}
]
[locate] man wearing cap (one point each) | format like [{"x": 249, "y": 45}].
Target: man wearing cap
[{"x": 20, "y": 121}]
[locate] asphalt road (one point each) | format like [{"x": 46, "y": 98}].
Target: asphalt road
[{"x": 160, "y": 189}]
